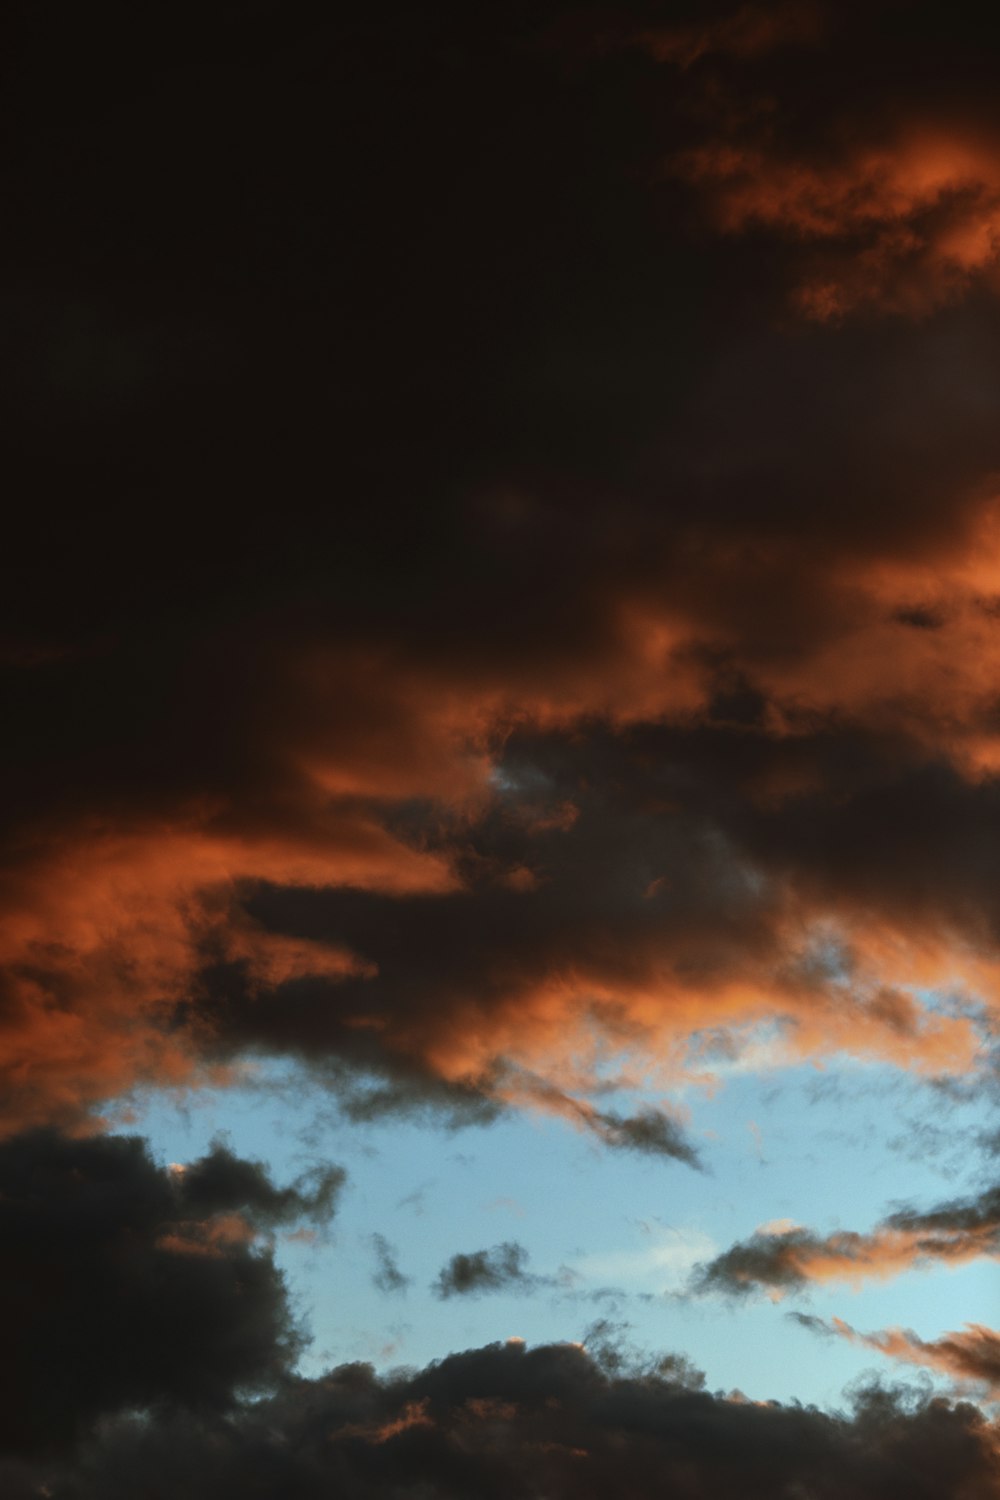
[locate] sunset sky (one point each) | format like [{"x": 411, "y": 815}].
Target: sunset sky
[{"x": 500, "y": 941}]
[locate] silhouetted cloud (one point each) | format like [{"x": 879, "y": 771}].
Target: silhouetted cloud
[
  {"x": 468, "y": 1274},
  {"x": 124, "y": 1284},
  {"x": 387, "y": 1276},
  {"x": 649, "y": 1132},
  {"x": 517, "y": 1421}
]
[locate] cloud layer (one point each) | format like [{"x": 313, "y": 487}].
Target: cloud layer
[
  {"x": 516, "y": 676},
  {"x": 509, "y": 1420},
  {"x": 501, "y": 608}
]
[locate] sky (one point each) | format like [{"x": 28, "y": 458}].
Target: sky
[{"x": 499, "y": 958}]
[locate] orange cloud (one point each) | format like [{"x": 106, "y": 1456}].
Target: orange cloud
[
  {"x": 544, "y": 921},
  {"x": 782, "y": 1258},
  {"x": 107, "y": 930},
  {"x": 112, "y": 921},
  {"x": 969, "y": 1357},
  {"x": 526, "y": 752},
  {"x": 901, "y": 227},
  {"x": 886, "y": 203},
  {"x": 212, "y": 1237}
]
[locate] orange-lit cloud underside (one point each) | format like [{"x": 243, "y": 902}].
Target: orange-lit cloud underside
[
  {"x": 902, "y": 227},
  {"x": 111, "y": 917},
  {"x": 885, "y": 1253},
  {"x": 895, "y": 210},
  {"x": 970, "y": 1356}
]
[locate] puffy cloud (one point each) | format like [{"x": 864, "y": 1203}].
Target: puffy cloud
[
  {"x": 514, "y": 1420},
  {"x": 127, "y": 1285}
]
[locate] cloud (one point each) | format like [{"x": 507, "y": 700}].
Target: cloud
[
  {"x": 129, "y": 1285},
  {"x": 901, "y": 225},
  {"x": 480, "y": 646},
  {"x": 281, "y": 784},
  {"x": 469, "y": 1274},
  {"x": 748, "y": 32},
  {"x": 512, "y": 1419},
  {"x": 648, "y": 1132},
  {"x": 222, "y": 1180},
  {"x": 887, "y": 200},
  {"x": 971, "y": 1357},
  {"x": 784, "y": 1257},
  {"x": 387, "y": 1276}
]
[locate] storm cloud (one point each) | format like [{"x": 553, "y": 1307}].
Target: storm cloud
[
  {"x": 126, "y": 1284},
  {"x": 465, "y": 705},
  {"x": 517, "y": 1421},
  {"x": 499, "y": 611}
]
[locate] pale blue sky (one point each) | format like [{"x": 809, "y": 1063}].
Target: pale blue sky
[{"x": 614, "y": 1234}]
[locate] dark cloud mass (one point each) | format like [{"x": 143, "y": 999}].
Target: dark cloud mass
[
  {"x": 499, "y": 606},
  {"x": 512, "y": 1421},
  {"x": 454, "y": 605},
  {"x": 125, "y": 1284}
]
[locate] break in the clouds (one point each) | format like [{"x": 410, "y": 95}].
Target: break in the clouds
[{"x": 784, "y": 1257}]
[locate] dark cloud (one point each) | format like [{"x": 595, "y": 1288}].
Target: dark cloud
[
  {"x": 222, "y": 1180},
  {"x": 382, "y": 816},
  {"x": 536, "y": 644},
  {"x": 387, "y": 1276},
  {"x": 765, "y": 1259},
  {"x": 977, "y": 1215},
  {"x": 504, "y": 1268},
  {"x": 124, "y": 1284},
  {"x": 514, "y": 1421},
  {"x": 649, "y": 1132},
  {"x": 499, "y": 581}
]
